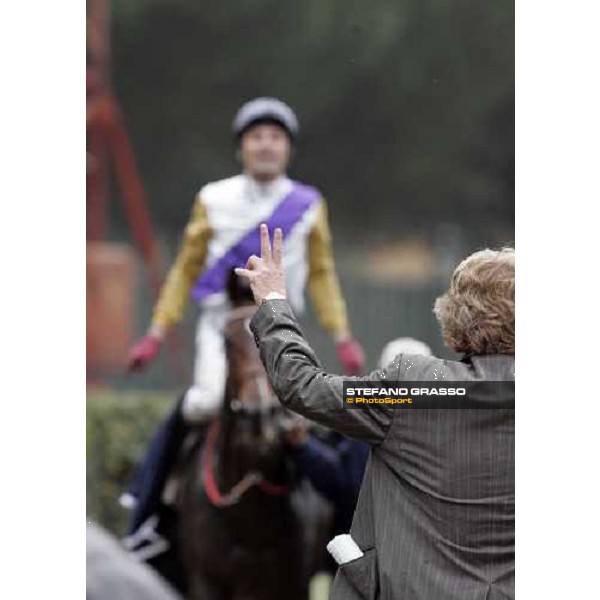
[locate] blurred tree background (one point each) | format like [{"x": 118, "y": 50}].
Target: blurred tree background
[
  {"x": 406, "y": 106},
  {"x": 407, "y": 126}
]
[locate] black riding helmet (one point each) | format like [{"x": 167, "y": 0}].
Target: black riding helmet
[{"x": 265, "y": 110}]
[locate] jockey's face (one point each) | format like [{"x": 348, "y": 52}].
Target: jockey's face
[{"x": 265, "y": 151}]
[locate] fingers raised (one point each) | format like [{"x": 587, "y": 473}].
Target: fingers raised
[
  {"x": 278, "y": 246},
  {"x": 265, "y": 242}
]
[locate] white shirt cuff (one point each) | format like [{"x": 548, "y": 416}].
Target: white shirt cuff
[{"x": 275, "y": 296}]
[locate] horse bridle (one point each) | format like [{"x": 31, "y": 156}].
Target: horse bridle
[{"x": 250, "y": 479}]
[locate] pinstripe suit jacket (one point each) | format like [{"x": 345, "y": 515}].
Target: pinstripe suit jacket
[{"x": 435, "y": 516}]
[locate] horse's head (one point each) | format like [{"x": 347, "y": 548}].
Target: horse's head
[{"x": 252, "y": 414}]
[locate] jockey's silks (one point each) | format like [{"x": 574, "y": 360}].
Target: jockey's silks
[
  {"x": 285, "y": 215},
  {"x": 224, "y": 212}
]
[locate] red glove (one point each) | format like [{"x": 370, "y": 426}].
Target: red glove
[
  {"x": 351, "y": 356},
  {"x": 143, "y": 353}
]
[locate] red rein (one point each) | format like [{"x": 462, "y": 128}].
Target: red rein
[{"x": 250, "y": 479}]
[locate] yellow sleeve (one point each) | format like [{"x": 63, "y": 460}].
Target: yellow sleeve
[
  {"x": 186, "y": 268},
  {"x": 323, "y": 284}
]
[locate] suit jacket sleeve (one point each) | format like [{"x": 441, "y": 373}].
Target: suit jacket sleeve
[{"x": 301, "y": 383}]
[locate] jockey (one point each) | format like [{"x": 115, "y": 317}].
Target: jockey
[{"x": 223, "y": 232}]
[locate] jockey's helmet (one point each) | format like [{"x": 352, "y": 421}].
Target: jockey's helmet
[{"x": 265, "y": 110}]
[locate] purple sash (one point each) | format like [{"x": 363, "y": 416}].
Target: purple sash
[{"x": 286, "y": 214}]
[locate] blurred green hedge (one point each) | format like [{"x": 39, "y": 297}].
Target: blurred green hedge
[{"x": 118, "y": 426}]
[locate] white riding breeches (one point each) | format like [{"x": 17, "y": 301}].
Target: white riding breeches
[{"x": 204, "y": 398}]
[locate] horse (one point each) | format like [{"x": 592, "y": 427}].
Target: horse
[{"x": 240, "y": 535}]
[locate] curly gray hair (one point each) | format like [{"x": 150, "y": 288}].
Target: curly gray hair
[{"x": 477, "y": 313}]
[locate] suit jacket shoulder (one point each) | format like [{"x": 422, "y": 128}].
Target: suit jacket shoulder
[{"x": 416, "y": 367}]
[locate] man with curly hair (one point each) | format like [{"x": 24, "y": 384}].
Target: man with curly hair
[{"x": 435, "y": 515}]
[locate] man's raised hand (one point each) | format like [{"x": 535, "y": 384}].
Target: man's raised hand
[{"x": 265, "y": 274}]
